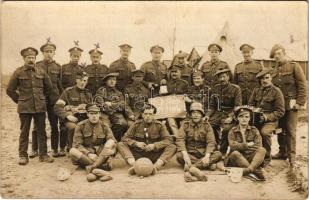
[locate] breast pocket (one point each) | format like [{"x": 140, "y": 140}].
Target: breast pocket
[
  {"x": 54, "y": 74},
  {"x": 288, "y": 78},
  {"x": 38, "y": 80},
  {"x": 268, "y": 103},
  {"x": 25, "y": 81}
]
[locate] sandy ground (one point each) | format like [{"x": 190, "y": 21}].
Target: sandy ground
[{"x": 38, "y": 180}]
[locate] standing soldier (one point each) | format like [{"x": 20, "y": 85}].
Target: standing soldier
[
  {"x": 70, "y": 107},
  {"x": 186, "y": 70},
  {"x": 245, "y": 73},
  {"x": 93, "y": 142},
  {"x": 211, "y": 67},
  {"x": 124, "y": 67},
  {"x": 269, "y": 99},
  {"x": 96, "y": 70},
  {"x": 29, "y": 87},
  {"x": 114, "y": 107},
  {"x": 155, "y": 70},
  {"x": 196, "y": 141},
  {"x": 290, "y": 78},
  {"x": 53, "y": 70},
  {"x": 147, "y": 138},
  {"x": 68, "y": 71},
  {"x": 225, "y": 96},
  {"x": 136, "y": 94}
]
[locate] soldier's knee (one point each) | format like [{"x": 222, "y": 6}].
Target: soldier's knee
[
  {"x": 216, "y": 155},
  {"x": 235, "y": 154},
  {"x": 261, "y": 150},
  {"x": 75, "y": 153},
  {"x": 70, "y": 126},
  {"x": 172, "y": 147}
]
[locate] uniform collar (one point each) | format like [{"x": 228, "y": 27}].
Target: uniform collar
[
  {"x": 237, "y": 129},
  {"x": 93, "y": 128},
  {"x": 48, "y": 62},
  {"x": 156, "y": 62},
  {"x": 124, "y": 59},
  {"x": 248, "y": 61},
  {"x": 267, "y": 87},
  {"x": 198, "y": 125},
  {"x": 110, "y": 88},
  {"x": 73, "y": 64},
  {"x": 215, "y": 62},
  {"x": 78, "y": 89},
  {"x": 282, "y": 63}
]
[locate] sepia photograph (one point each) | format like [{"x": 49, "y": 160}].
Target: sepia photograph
[{"x": 154, "y": 100}]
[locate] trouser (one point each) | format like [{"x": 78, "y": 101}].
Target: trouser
[
  {"x": 251, "y": 161},
  {"x": 164, "y": 154},
  {"x": 287, "y": 140},
  {"x": 196, "y": 158},
  {"x": 53, "y": 121},
  {"x": 117, "y": 122},
  {"x": 266, "y": 131},
  {"x": 70, "y": 128},
  {"x": 25, "y": 123}
]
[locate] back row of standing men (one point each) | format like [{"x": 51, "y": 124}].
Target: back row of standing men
[{"x": 35, "y": 82}]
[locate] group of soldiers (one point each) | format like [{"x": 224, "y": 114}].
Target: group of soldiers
[{"x": 96, "y": 111}]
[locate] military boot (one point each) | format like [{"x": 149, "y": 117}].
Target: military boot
[
  {"x": 23, "y": 161},
  {"x": 33, "y": 154},
  {"x": 281, "y": 155},
  {"x": 46, "y": 158}
]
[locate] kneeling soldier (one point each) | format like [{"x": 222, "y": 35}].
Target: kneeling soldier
[
  {"x": 246, "y": 145},
  {"x": 147, "y": 138},
  {"x": 93, "y": 142},
  {"x": 270, "y": 100},
  {"x": 196, "y": 141}
]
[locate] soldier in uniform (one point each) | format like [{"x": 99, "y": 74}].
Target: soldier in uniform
[
  {"x": 211, "y": 67},
  {"x": 93, "y": 142},
  {"x": 96, "y": 70},
  {"x": 225, "y": 96},
  {"x": 68, "y": 71},
  {"x": 114, "y": 107},
  {"x": 29, "y": 87},
  {"x": 245, "y": 73},
  {"x": 148, "y": 138},
  {"x": 290, "y": 78},
  {"x": 186, "y": 69},
  {"x": 70, "y": 107},
  {"x": 136, "y": 94},
  {"x": 196, "y": 142},
  {"x": 246, "y": 145},
  {"x": 176, "y": 85},
  {"x": 269, "y": 99},
  {"x": 124, "y": 67},
  {"x": 198, "y": 92},
  {"x": 53, "y": 70},
  {"x": 155, "y": 70}
]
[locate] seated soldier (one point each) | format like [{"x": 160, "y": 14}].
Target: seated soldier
[
  {"x": 70, "y": 107},
  {"x": 113, "y": 105},
  {"x": 147, "y": 138},
  {"x": 270, "y": 100},
  {"x": 225, "y": 96},
  {"x": 196, "y": 142},
  {"x": 136, "y": 94},
  {"x": 246, "y": 145},
  {"x": 198, "y": 92},
  {"x": 93, "y": 142}
]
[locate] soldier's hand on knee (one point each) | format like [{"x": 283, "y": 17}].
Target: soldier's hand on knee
[
  {"x": 93, "y": 156},
  {"x": 149, "y": 147},
  {"x": 205, "y": 161},
  {"x": 186, "y": 158},
  {"x": 140, "y": 145},
  {"x": 250, "y": 144},
  {"x": 71, "y": 118}
]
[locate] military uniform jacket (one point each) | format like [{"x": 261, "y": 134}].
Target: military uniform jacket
[
  {"x": 238, "y": 141},
  {"x": 195, "y": 137},
  {"x": 124, "y": 67},
  {"x": 209, "y": 68},
  {"x": 72, "y": 96},
  {"x": 136, "y": 94},
  {"x": 154, "y": 133},
  {"x": 154, "y": 72},
  {"x": 245, "y": 77},
  {"x": 108, "y": 94},
  {"x": 68, "y": 74},
  {"x": 96, "y": 74},
  {"x": 200, "y": 94},
  {"x": 177, "y": 86},
  {"x": 33, "y": 86},
  {"x": 186, "y": 73},
  {"x": 91, "y": 138},
  {"x": 53, "y": 70},
  {"x": 222, "y": 102},
  {"x": 270, "y": 99},
  {"x": 290, "y": 78}
]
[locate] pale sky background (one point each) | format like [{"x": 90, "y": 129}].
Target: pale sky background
[{"x": 143, "y": 24}]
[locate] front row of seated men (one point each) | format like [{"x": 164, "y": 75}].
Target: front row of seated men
[{"x": 94, "y": 143}]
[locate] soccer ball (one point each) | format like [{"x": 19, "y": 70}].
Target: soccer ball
[{"x": 143, "y": 167}]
